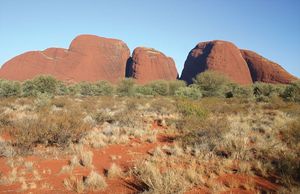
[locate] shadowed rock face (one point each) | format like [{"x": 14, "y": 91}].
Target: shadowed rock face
[
  {"x": 219, "y": 56},
  {"x": 148, "y": 64},
  {"x": 89, "y": 58},
  {"x": 264, "y": 70}
]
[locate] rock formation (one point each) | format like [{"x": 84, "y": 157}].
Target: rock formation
[
  {"x": 93, "y": 58},
  {"x": 89, "y": 58},
  {"x": 148, "y": 64},
  {"x": 264, "y": 70},
  {"x": 219, "y": 56}
]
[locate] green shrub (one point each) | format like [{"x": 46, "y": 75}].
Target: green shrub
[
  {"x": 61, "y": 89},
  {"x": 9, "y": 88},
  {"x": 144, "y": 90},
  {"x": 126, "y": 87},
  {"x": 74, "y": 89},
  {"x": 175, "y": 85},
  {"x": 212, "y": 83},
  {"x": 265, "y": 91},
  {"x": 292, "y": 92},
  {"x": 45, "y": 84},
  {"x": 86, "y": 89},
  {"x": 29, "y": 88},
  {"x": 41, "y": 84},
  {"x": 103, "y": 88},
  {"x": 191, "y": 108},
  {"x": 160, "y": 87},
  {"x": 191, "y": 92},
  {"x": 239, "y": 91}
]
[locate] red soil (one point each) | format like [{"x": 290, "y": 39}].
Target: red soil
[
  {"x": 49, "y": 168},
  {"x": 125, "y": 156}
]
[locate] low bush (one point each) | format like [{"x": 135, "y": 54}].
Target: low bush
[
  {"x": 238, "y": 91},
  {"x": 126, "y": 87},
  {"x": 175, "y": 85},
  {"x": 74, "y": 89},
  {"x": 58, "y": 128},
  {"x": 193, "y": 114},
  {"x": 29, "y": 89},
  {"x": 45, "y": 84},
  {"x": 103, "y": 88},
  {"x": 265, "y": 91},
  {"x": 212, "y": 83},
  {"x": 9, "y": 88},
  {"x": 86, "y": 89},
  {"x": 144, "y": 90},
  {"x": 40, "y": 85},
  {"x": 160, "y": 87},
  {"x": 191, "y": 92},
  {"x": 191, "y": 108},
  {"x": 61, "y": 89},
  {"x": 292, "y": 92}
]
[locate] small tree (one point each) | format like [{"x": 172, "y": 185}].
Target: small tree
[{"x": 212, "y": 83}]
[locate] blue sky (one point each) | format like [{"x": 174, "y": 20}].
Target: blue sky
[{"x": 269, "y": 27}]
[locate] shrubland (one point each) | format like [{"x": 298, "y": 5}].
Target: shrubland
[
  {"x": 206, "y": 84},
  {"x": 213, "y": 128}
]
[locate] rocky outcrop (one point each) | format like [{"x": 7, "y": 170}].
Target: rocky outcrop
[
  {"x": 219, "y": 56},
  {"x": 89, "y": 58},
  {"x": 148, "y": 64},
  {"x": 264, "y": 70},
  {"x": 93, "y": 58}
]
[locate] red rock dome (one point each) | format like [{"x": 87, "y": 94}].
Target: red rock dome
[
  {"x": 264, "y": 70},
  {"x": 219, "y": 56},
  {"x": 148, "y": 64},
  {"x": 89, "y": 58}
]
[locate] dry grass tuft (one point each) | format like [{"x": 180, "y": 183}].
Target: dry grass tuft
[
  {"x": 74, "y": 184},
  {"x": 114, "y": 171},
  {"x": 95, "y": 181},
  {"x": 151, "y": 180}
]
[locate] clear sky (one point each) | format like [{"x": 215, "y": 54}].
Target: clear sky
[{"x": 269, "y": 27}]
